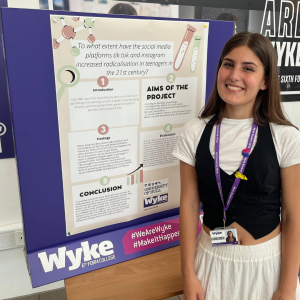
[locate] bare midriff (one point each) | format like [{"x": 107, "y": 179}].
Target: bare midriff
[{"x": 245, "y": 238}]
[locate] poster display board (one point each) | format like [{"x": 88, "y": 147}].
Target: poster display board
[
  {"x": 53, "y": 139},
  {"x": 122, "y": 99},
  {"x": 6, "y": 136}
]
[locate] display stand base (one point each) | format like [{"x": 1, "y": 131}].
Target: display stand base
[{"x": 152, "y": 277}]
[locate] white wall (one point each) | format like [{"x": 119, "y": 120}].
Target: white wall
[
  {"x": 14, "y": 278},
  {"x": 35, "y": 4},
  {"x": 292, "y": 110},
  {"x": 10, "y": 209}
]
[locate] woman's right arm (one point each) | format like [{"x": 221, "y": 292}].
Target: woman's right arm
[{"x": 189, "y": 219}]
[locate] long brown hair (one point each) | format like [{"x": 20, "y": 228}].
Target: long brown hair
[
  {"x": 267, "y": 107},
  {"x": 123, "y": 9}
]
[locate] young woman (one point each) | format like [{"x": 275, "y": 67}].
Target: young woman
[
  {"x": 230, "y": 237},
  {"x": 245, "y": 101}
]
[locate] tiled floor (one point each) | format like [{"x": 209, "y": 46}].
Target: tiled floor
[
  {"x": 52, "y": 295},
  {"x": 61, "y": 295}
]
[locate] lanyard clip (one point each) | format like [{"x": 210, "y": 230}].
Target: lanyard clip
[{"x": 224, "y": 219}]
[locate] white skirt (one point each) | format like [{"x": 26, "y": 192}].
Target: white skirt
[{"x": 239, "y": 272}]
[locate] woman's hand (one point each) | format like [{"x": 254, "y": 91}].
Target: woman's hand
[
  {"x": 284, "y": 295},
  {"x": 192, "y": 288},
  {"x": 189, "y": 220}
]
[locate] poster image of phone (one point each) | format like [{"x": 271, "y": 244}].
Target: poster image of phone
[
  {"x": 184, "y": 46},
  {"x": 195, "y": 52}
]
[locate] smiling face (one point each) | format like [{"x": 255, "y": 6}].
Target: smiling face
[{"x": 240, "y": 77}]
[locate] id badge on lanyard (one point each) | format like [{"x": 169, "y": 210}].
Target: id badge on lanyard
[
  {"x": 224, "y": 237},
  {"x": 228, "y": 236}
]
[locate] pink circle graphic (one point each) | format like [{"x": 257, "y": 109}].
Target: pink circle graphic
[
  {"x": 102, "y": 81},
  {"x": 68, "y": 32},
  {"x": 91, "y": 39},
  {"x": 55, "y": 44},
  {"x": 103, "y": 129}
]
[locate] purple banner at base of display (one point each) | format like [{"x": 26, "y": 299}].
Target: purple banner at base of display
[{"x": 89, "y": 254}]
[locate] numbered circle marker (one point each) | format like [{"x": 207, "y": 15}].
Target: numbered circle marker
[
  {"x": 104, "y": 180},
  {"x": 168, "y": 128},
  {"x": 2, "y": 129},
  {"x": 171, "y": 77},
  {"x": 103, "y": 129},
  {"x": 102, "y": 81}
]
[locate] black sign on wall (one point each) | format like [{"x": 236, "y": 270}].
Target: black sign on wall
[{"x": 281, "y": 24}]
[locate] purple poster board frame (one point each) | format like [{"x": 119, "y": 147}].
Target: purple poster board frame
[
  {"x": 6, "y": 136},
  {"x": 33, "y": 104}
]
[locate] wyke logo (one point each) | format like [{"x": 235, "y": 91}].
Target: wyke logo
[
  {"x": 105, "y": 248},
  {"x": 150, "y": 201},
  {"x": 216, "y": 233}
]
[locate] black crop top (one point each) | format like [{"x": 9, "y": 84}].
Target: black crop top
[{"x": 256, "y": 203}]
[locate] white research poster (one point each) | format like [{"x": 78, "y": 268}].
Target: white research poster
[{"x": 125, "y": 88}]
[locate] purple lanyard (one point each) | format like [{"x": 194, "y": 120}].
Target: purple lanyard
[{"x": 241, "y": 169}]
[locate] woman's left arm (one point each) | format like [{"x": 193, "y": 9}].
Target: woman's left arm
[{"x": 290, "y": 222}]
